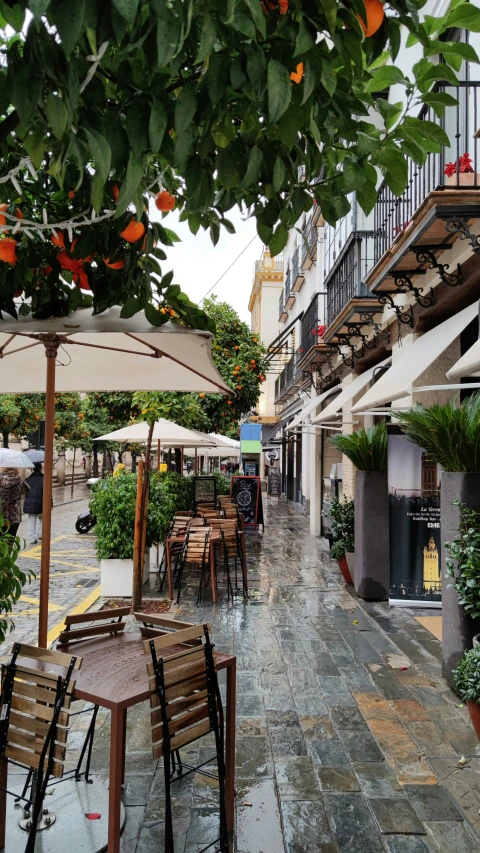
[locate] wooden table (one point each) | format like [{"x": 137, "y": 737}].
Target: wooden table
[
  {"x": 114, "y": 675},
  {"x": 215, "y": 538}
]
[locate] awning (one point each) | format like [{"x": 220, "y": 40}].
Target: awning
[
  {"x": 349, "y": 393},
  {"x": 467, "y": 365},
  {"x": 417, "y": 358},
  {"x": 311, "y": 406}
]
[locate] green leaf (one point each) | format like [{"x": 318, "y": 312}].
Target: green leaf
[
  {"x": 223, "y": 131},
  {"x": 330, "y": 9},
  {"x": 328, "y": 77},
  {"x": 258, "y": 16},
  {"x": 384, "y": 77},
  {"x": 168, "y": 37},
  {"x": 428, "y": 130},
  {"x": 38, "y": 7},
  {"x": 13, "y": 14},
  {"x": 254, "y": 166},
  {"x": 35, "y": 142},
  {"x": 132, "y": 306},
  {"x": 278, "y": 174},
  {"x": 243, "y": 24},
  {"x": 305, "y": 39},
  {"x": 228, "y": 168},
  {"x": 185, "y": 108},
  {"x": 68, "y": 18},
  {"x": 157, "y": 126},
  {"x": 137, "y": 123},
  {"x": 353, "y": 175},
  {"x": 154, "y": 316},
  {"x": 465, "y": 17},
  {"x": 101, "y": 153},
  {"x": 279, "y": 90},
  {"x": 25, "y": 86},
  {"x": 279, "y": 240},
  {"x": 130, "y": 185},
  {"x": 438, "y": 101},
  {"x": 389, "y": 112},
  {"x": 127, "y": 9},
  {"x": 264, "y": 232},
  {"x": 367, "y": 196},
  {"x": 395, "y": 168},
  {"x": 207, "y": 39},
  {"x": 57, "y": 114}
]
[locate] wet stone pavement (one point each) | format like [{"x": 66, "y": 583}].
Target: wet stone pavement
[{"x": 348, "y": 739}]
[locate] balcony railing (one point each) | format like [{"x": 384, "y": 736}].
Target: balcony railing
[
  {"x": 289, "y": 376},
  {"x": 282, "y": 314},
  {"x": 274, "y": 265},
  {"x": 309, "y": 243},
  {"x": 312, "y": 323},
  {"x": 346, "y": 278},
  {"x": 393, "y": 214},
  {"x": 288, "y": 285}
]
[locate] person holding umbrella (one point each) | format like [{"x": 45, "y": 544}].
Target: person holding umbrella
[
  {"x": 11, "y": 490},
  {"x": 34, "y": 503}
]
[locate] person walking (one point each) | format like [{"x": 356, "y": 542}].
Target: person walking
[
  {"x": 11, "y": 489},
  {"x": 34, "y": 503}
]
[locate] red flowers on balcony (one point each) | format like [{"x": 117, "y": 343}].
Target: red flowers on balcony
[
  {"x": 464, "y": 165},
  {"x": 319, "y": 331}
]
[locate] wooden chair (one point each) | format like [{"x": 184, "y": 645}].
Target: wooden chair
[
  {"x": 178, "y": 526},
  {"x": 34, "y": 723},
  {"x": 196, "y": 550},
  {"x": 87, "y": 632},
  {"x": 232, "y": 550},
  {"x": 154, "y": 626},
  {"x": 185, "y": 706}
]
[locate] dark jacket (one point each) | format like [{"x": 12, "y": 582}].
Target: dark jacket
[{"x": 34, "y": 500}]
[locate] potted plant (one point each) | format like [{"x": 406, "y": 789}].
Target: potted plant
[
  {"x": 467, "y": 684},
  {"x": 341, "y": 514},
  {"x": 113, "y": 503},
  {"x": 450, "y": 435},
  {"x": 460, "y": 172},
  {"x": 367, "y": 449},
  {"x": 12, "y": 578}
]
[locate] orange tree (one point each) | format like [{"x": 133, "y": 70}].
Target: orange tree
[
  {"x": 240, "y": 359},
  {"x": 71, "y": 429},
  {"x": 203, "y": 105},
  {"x": 20, "y": 414}
]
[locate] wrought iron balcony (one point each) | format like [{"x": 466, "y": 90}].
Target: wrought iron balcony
[
  {"x": 298, "y": 275},
  {"x": 345, "y": 280},
  {"x": 289, "y": 379},
  {"x": 289, "y": 296},
  {"x": 392, "y": 214},
  {"x": 313, "y": 326},
  {"x": 282, "y": 312},
  {"x": 310, "y": 243}
]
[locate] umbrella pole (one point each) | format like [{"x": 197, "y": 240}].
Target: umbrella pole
[
  {"x": 158, "y": 455},
  {"x": 51, "y": 349},
  {"x": 181, "y": 460},
  {"x": 196, "y": 461}
]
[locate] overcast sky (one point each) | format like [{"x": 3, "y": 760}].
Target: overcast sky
[{"x": 197, "y": 264}]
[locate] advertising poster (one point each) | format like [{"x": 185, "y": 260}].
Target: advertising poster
[{"x": 414, "y": 508}]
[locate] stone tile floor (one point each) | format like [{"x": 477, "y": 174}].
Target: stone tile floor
[{"x": 348, "y": 739}]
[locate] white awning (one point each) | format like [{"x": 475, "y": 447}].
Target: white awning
[
  {"x": 415, "y": 359},
  {"x": 311, "y": 406},
  {"x": 467, "y": 365},
  {"x": 349, "y": 393}
]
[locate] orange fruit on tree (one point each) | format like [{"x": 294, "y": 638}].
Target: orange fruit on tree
[
  {"x": 297, "y": 75},
  {"x": 133, "y": 232},
  {"x": 3, "y": 219},
  {"x": 82, "y": 279},
  {"x": 71, "y": 194},
  {"x": 165, "y": 201},
  {"x": 202, "y": 395},
  {"x": 239, "y": 387},
  {"x": 117, "y": 265},
  {"x": 115, "y": 192},
  {"x": 8, "y": 253},
  {"x": 375, "y": 15},
  {"x": 68, "y": 263},
  {"x": 58, "y": 239},
  {"x": 229, "y": 403}
]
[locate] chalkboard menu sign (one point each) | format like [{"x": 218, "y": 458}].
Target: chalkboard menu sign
[
  {"x": 246, "y": 493},
  {"x": 273, "y": 482}
]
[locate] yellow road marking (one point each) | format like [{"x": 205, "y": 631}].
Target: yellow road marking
[
  {"x": 31, "y": 600},
  {"x": 87, "y": 602},
  {"x": 69, "y": 563}
]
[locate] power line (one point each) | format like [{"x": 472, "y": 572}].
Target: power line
[{"x": 229, "y": 268}]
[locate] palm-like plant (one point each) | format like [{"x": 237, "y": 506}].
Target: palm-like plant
[
  {"x": 450, "y": 434},
  {"x": 367, "y": 448}
]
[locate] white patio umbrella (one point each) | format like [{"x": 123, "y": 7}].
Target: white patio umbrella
[
  {"x": 167, "y": 432},
  {"x": 14, "y": 459},
  {"x": 97, "y": 353}
]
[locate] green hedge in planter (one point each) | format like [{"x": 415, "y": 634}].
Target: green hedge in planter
[
  {"x": 222, "y": 483},
  {"x": 464, "y": 567},
  {"x": 113, "y": 503},
  {"x": 180, "y": 488},
  {"x": 467, "y": 676},
  {"x": 342, "y": 516},
  {"x": 12, "y": 578}
]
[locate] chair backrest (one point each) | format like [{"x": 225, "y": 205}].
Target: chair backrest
[
  {"x": 197, "y": 544},
  {"x": 154, "y": 626},
  {"x": 179, "y": 526},
  {"x": 184, "y": 690},
  {"x": 35, "y": 705},
  {"x": 98, "y": 629},
  {"x": 229, "y": 542}
]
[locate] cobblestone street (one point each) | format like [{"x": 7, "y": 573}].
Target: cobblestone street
[{"x": 348, "y": 739}]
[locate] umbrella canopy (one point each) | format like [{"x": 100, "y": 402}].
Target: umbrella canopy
[
  {"x": 97, "y": 353},
  {"x": 218, "y": 443},
  {"x": 14, "y": 459},
  {"x": 35, "y": 455},
  {"x": 168, "y": 433}
]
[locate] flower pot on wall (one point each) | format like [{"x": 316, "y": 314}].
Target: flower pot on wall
[
  {"x": 458, "y": 629},
  {"x": 474, "y": 711},
  {"x": 463, "y": 179},
  {"x": 116, "y": 577},
  {"x": 372, "y": 552},
  {"x": 343, "y": 565}
]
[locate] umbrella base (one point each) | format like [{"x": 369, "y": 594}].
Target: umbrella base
[{"x": 70, "y": 802}]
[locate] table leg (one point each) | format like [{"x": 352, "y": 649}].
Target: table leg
[
  {"x": 116, "y": 770},
  {"x": 124, "y": 745},
  {"x": 230, "y": 744},
  {"x": 3, "y": 800},
  {"x": 213, "y": 573},
  {"x": 169, "y": 570}
]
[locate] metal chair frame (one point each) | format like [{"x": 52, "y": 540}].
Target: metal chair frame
[
  {"x": 191, "y": 536},
  {"x": 172, "y": 762}
]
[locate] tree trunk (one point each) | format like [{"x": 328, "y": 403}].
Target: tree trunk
[{"x": 5, "y": 439}]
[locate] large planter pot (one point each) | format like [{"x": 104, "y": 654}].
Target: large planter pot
[
  {"x": 116, "y": 577},
  {"x": 474, "y": 711},
  {"x": 458, "y": 630},
  {"x": 343, "y": 565},
  {"x": 372, "y": 551},
  {"x": 350, "y": 558}
]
